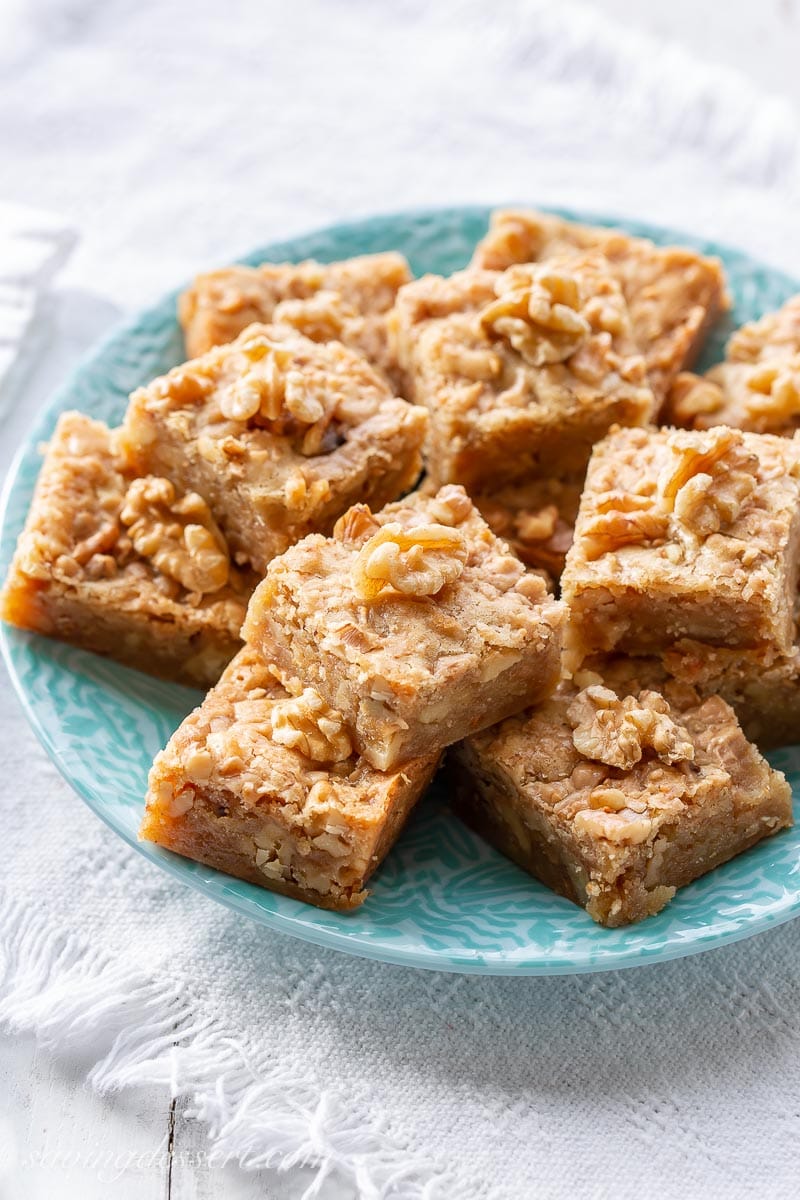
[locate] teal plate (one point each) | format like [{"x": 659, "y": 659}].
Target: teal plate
[{"x": 443, "y": 899}]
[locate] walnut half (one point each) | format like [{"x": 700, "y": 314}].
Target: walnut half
[
  {"x": 539, "y": 315},
  {"x": 707, "y": 480},
  {"x": 416, "y": 561},
  {"x": 618, "y": 732},
  {"x": 177, "y": 534}
]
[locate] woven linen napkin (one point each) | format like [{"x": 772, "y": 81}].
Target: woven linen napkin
[{"x": 193, "y": 135}]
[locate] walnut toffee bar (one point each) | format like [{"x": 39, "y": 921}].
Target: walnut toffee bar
[{"x": 267, "y": 786}]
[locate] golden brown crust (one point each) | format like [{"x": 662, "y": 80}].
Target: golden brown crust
[
  {"x": 411, "y": 669},
  {"x": 674, "y": 294},
  {"x": 228, "y": 792},
  {"x": 522, "y": 371},
  {"x": 619, "y": 836},
  {"x": 279, "y": 434},
  {"x": 77, "y": 575}
]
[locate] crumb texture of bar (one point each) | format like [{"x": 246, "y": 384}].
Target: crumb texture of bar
[
  {"x": 536, "y": 518},
  {"x": 686, "y": 534},
  {"x": 522, "y": 371},
  {"x": 416, "y": 623},
  {"x": 344, "y": 301},
  {"x": 757, "y": 387},
  {"x": 279, "y": 434},
  {"x": 130, "y": 568},
  {"x": 264, "y": 785},
  {"x": 616, "y": 796},
  {"x": 674, "y": 294}
]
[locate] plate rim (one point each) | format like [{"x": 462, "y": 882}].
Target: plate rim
[{"x": 295, "y": 923}]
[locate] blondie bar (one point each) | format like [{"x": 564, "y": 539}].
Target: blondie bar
[
  {"x": 674, "y": 294},
  {"x": 416, "y": 623},
  {"x": 124, "y": 566},
  {"x": 266, "y": 786},
  {"x": 279, "y": 434},
  {"x": 686, "y": 534},
  {"x": 522, "y": 371},
  {"x": 616, "y": 798},
  {"x": 346, "y": 301},
  {"x": 757, "y": 387}
]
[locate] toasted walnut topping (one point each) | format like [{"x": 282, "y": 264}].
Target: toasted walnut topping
[
  {"x": 774, "y": 390},
  {"x": 356, "y": 524},
  {"x": 622, "y": 519},
  {"x": 177, "y": 534},
  {"x": 618, "y": 732},
  {"x": 260, "y": 389},
  {"x": 539, "y": 315},
  {"x": 693, "y": 396},
  {"x": 307, "y": 724},
  {"x": 451, "y": 505},
  {"x": 417, "y": 562},
  {"x": 270, "y": 391},
  {"x": 707, "y": 480}
]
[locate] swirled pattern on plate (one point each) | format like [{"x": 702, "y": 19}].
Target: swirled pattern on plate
[{"x": 443, "y": 899}]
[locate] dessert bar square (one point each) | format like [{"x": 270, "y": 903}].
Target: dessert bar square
[
  {"x": 266, "y": 786},
  {"x": 617, "y": 797},
  {"x": 757, "y": 387},
  {"x": 674, "y": 294},
  {"x": 347, "y": 301},
  {"x": 417, "y": 623},
  {"x": 522, "y": 371},
  {"x": 686, "y": 534},
  {"x": 279, "y": 434},
  {"x": 123, "y": 566}
]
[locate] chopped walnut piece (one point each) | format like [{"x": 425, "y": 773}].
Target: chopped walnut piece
[
  {"x": 618, "y": 731},
  {"x": 623, "y": 519},
  {"x": 536, "y": 526},
  {"x": 178, "y": 535},
  {"x": 774, "y": 390},
  {"x": 416, "y": 561},
  {"x": 357, "y": 523},
  {"x": 259, "y": 391},
  {"x": 307, "y": 724},
  {"x": 539, "y": 315},
  {"x": 708, "y": 479},
  {"x": 694, "y": 396}
]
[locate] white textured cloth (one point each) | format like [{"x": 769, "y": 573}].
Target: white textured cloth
[{"x": 175, "y": 135}]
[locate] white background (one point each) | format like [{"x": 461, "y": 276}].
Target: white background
[{"x": 146, "y": 1151}]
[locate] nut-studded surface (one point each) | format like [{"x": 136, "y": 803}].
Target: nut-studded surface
[
  {"x": 522, "y": 371},
  {"x": 673, "y": 294},
  {"x": 346, "y": 301},
  {"x": 121, "y": 567},
  {"x": 536, "y": 518},
  {"x": 278, "y": 434},
  {"x": 299, "y": 815},
  {"x": 411, "y": 668},
  {"x": 757, "y": 387},
  {"x": 686, "y": 534},
  {"x": 618, "y": 813}
]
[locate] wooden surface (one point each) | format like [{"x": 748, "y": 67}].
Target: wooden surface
[{"x": 58, "y": 1140}]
